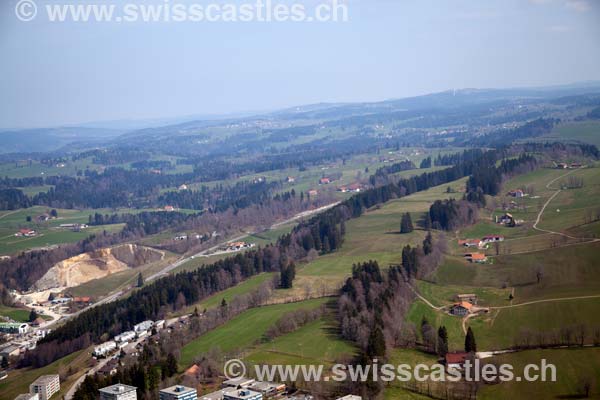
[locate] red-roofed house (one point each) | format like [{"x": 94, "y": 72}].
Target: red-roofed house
[
  {"x": 324, "y": 181},
  {"x": 479, "y": 258},
  {"x": 456, "y": 360},
  {"x": 26, "y": 232}
]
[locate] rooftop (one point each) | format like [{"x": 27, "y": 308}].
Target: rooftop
[
  {"x": 118, "y": 388},
  {"x": 177, "y": 389}
]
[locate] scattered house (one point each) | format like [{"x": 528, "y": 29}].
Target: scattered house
[
  {"x": 180, "y": 237},
  {"x": 143, "y": 326},
  {"x": 192, "y": 371},
  {"x": 104, "y": 348},
  {"x": 183, "y": 187},
  {"x": 312, "y": 192},
  {"x": 124, "y": 337},
  {"x": 43, "y": 218},
  {"x": 290, "y": 179},
  {"x": 235, "y": 246},
  {"x": 178, "y": 392},
  {"x": 518, "y": 193},
  {"x": 562, "y": 166},
  {"x": 169, "y": 208},
  {"x": 45, "y": 386},
  {"x": 109, "y": 369},
  {"x": 478, "y": 258},
  {"x": 26, "y": 233},
  {"x": 470, "y": 297},
  {"x": 576, "y": 165},
  {"x": 354, "y": 188},
  {"x": 491, "y": 239},
  {"x": 156, "y": 171},
  {"x": 461, "y": 309},
  {"x": 469, "y": 242},
  {"x": 324, "y": 181},
  {"x": 10, "y": 351},
  {"x": 456, "y": 360},
  {"x": 82, "y": 300},
  {"x": 118, "y": 392},
  {"x": 61, "y": 300},
  {"x": 506, "y": 219},
  {"x": 73, "y": 227}
]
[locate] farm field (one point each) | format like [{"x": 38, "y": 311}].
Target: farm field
[
  {"x": 16, "y": 314},
  {"x": 314, "y": 343},
  {"x": 573, "y": 366},
  {"x": 585, "y": 131},
  {"x": 243, "y": 331}
]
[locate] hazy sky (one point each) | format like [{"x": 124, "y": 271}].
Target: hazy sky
[{"x": 62, "y": 73}]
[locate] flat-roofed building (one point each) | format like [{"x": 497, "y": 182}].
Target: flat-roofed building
[
  {"x": 218, "y": 395},
  {"x": 178, "y": 392},
  {"x": 242, "y": 381},
  {"x": 45, "y": 386},
  {"x": 243, "y": 394},
  {"x": 28, "y": 396},
  {"x": 118, "y": 392}
]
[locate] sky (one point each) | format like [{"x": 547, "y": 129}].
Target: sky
[{"x": 54, "y": 74}]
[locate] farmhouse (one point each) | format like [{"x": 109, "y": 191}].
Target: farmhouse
[
  {"x": 312, "y": 192},
  {"x": 290, "y": 179},
  {"x": 518, "y": 193},
  {"x": 461, "y": 309},
  {"x": 456, "y": 360},
  {"x": 324, "y": 181},
  {"x": 478, "y": 258},
  {"x": 506, "y": 219},
  {"x": 469, "y": 297},
  {"x": 354, "y": 188},
  {"x": 26, "y": 233},
  {"x": 183, "y": 187},
  {"x": 169, "y": 208},
  {"x": 491, "y": 239},
  {"x": 469, "y": 242},
  {"x": 562, "y": 166}
]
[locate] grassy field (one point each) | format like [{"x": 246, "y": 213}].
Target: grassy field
[
  {"x": 18, "y": 381},
  {"x": 16, "y": 314},
  {"x": 243, "y": 331},
  {"x": 315, "y": 343},
  {"x": 228, "y": 294},
  {"x": 501, "y": 329},
  {"x": 572, "y": 367},
  {"x": 584, "y": 131}
]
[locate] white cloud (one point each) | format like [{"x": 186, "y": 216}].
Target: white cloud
[
  {"x": 559, "y": 28},
  {"x": 578, "y": 5}
]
